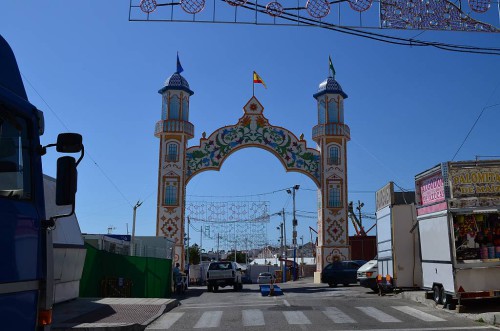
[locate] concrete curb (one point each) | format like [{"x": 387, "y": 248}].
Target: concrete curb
[{"x": 165, "y": 308}]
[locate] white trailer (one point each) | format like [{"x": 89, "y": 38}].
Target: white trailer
[
  {"x": 459, "y": 228},
  {"x": 398, "y": 252}
]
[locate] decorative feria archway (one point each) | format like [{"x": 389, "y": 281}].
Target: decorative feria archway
[{"x": 326, "y": 164}]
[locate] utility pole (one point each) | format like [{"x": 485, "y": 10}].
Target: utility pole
[
  {"x": 187, "y": 254},
  {"x": 132, "y": 241},
  {"x": 360, "y": 205},
  {"x": 218, "y": 252},
  {"x": 281, "y": 246},
  {"x": 302, "y": 249},
  {"x": 294, "y": 232}
]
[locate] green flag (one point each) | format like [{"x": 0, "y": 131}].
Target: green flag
[{"x": 332, "y": 69}]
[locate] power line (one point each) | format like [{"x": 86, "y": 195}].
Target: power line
[
  {"x": 86, "y": 151},
  {"x": 472, "y": 128},
  {"x": 377, "y": 36}
]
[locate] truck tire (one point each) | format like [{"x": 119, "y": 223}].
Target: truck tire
[
  {"x": 216, "y": 288},
  {"x": 210, "y": 288},
  {"x": 446, "y": 299},
  {"x": 436, "y": 294}
]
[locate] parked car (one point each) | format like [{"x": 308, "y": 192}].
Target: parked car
[
  {"x": 265, "y": 278},
  {"x": 367, "y": 275},
  {"x": 341, "y": 272},
  {"x": 224, "y": 273}
]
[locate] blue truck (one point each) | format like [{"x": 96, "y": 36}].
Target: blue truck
[{"x": 26, "y": 260}]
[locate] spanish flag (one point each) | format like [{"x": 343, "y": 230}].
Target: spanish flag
[{"x": 257, "y": 79}]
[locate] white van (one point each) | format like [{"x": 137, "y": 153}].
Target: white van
[{"x": 367, "y": 275}]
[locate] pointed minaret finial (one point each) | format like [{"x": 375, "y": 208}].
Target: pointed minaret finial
[
  {"x": 179, "y": 67},
  {"x": 332, "y": 69}
]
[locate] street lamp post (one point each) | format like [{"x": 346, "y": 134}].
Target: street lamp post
[
  {"x": 132, "y": 241},
  {"x": 294, "y": 232}
]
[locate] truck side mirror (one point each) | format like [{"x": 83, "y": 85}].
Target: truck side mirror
[
  {"x": 69, "y": 143},
  {"x": 66, "y": 181}
]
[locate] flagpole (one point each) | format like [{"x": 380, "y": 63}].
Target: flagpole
[{"x": 253, "y": 85}]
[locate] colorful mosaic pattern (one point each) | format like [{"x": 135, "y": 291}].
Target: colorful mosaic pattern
[
  {"x": 428, "y": 15},
  {"x": 253, "y": 130}
]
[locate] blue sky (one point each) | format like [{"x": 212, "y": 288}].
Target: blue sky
[{"x": 92, "y": 71}]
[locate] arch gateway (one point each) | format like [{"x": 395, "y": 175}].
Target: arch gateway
[{"x": 325, "y": 165}]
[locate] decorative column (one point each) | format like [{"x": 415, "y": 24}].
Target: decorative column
[
  {"x": 174, "y": 130},
  {"x": 331, "y": 135}
]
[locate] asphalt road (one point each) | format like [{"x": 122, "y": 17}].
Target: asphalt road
[{"x": 306, "y": 306}]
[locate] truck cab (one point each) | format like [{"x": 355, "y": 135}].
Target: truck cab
[{"x": 26, "y": 282}]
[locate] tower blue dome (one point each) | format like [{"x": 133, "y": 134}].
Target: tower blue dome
[
  {"x": 330, "y": 85},
  {"x": 176, "y": 82}
]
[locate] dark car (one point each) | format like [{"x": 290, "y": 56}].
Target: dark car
[{"x": 341, "y": 272}]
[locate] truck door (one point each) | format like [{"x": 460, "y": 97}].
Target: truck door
[{"x": 20, "y": 242}]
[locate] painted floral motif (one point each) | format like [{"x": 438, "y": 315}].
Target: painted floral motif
[
  {"x": 335, "y": 255},
  {"x": 253, "y": 130}
]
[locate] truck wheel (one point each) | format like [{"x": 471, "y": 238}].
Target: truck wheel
[
  {"x": 331, "y": 284},
  {"x": 436, "y": 291},
  {"x": 445, "y": 298},
  {"x": 216, "y": 288},
  {"x": 210, "y": 288}
]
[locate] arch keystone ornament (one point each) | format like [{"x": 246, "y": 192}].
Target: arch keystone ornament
[{"x": 325, "y": 165}]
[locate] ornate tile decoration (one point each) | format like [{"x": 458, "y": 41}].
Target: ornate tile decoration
[
  {"x": 336, "y": 254},
  {"x": 254, "y": 130},
  {"x": 335, "y": 231},
  {"x": 170, "y": 228}
]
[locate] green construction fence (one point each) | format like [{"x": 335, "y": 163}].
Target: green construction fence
[{"x": 112, "y": 275}]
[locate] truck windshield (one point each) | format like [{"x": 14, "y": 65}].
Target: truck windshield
[
  {"x": 15, "y": 179},
  {"x": 220, "y": 266}
]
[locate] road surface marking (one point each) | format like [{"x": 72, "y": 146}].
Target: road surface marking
[
  {"x": 208, "y": 305},
  {"x": 209, "y": 319},
  {"x": 286, "y": 303},
  {"x": 378, "y": 315},
  {"x": 253, "y": 317},
  {"x": 296, "y": 317},
  {"x": 491, "y": 327},
  {"x": 337, "y": 316},
  {"x": 165, "y": 321},
  {"x": 419, "y": 314}
]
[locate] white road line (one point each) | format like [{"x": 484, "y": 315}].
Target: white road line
[
  {"x": 378, "y": 315},
  {"x": 491, "y": 327},
  {"x": 165, "y": 321},
  {"x": 286, "y": 303},
  {"x": 418, "y": 314},
  {"x": 253, "y": 317},
  {"x": 225, "y": 305},
  {"x": 337, "y": 316},
  {"x": 296, "y": 317},
  {"x": 209, "y": 319}
]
